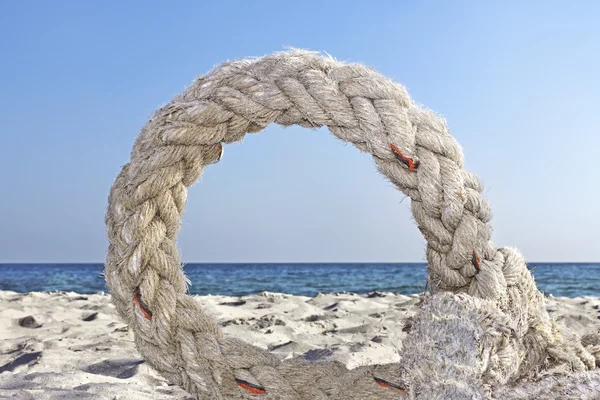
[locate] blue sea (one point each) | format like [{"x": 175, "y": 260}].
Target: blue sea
[{"x": 565, "y": 279}]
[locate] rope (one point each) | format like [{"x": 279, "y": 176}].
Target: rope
[{"x": 486, "y": 318}]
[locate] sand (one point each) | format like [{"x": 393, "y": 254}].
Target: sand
[{"x": 71, "y": 346}]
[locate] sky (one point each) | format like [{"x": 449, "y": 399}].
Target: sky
[{"x": 518, "y": 83}]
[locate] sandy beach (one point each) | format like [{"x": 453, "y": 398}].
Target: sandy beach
[{"x": 71, "y": 346}]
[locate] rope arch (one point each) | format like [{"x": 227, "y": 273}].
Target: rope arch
[{"x": 484, "y": 301}]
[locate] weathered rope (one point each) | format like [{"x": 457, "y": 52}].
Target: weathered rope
[{"x": 493, "y": 331}]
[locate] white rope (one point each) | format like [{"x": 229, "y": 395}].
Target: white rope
[{"x": 493, "y": 334}]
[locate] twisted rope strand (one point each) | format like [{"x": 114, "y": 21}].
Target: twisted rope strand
[{"x": 412, "y": 147}]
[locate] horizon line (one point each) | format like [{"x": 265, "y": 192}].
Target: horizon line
[{"x": 281, "y": 262}]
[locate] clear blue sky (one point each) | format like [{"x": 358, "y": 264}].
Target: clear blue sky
[{"x": 519, "y": 85}]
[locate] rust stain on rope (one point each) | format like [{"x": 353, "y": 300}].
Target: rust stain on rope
[
  {"x": 252, "y": 388},
  {"x": 387, "y": 384},
  {"x": 137, "y": 297},
  {"x": 409, "y": 162},
  {"x": 475, "y": 261}
]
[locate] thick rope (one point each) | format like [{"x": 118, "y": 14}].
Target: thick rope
[{"x": 499, "y": 316}]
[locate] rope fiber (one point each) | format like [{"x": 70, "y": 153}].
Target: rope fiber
[{"x": 483, "y": 332}]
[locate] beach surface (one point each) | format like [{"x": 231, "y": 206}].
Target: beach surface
[{"x": 70, "y": 346}]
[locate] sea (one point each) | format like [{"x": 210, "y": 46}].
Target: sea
[{"x": 305, "y": 279}]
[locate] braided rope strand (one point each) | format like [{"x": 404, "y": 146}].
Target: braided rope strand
[{"x": 411, "y": 146}]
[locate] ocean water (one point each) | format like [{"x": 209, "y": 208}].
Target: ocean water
[{"x": 565, "y": 279}]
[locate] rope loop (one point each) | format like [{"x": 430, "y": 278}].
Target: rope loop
[{"x": 485, "y": 319}]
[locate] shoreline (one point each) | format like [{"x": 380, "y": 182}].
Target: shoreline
[{"x": 73, "y": 346}]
